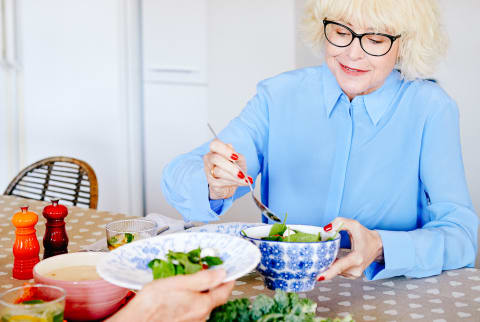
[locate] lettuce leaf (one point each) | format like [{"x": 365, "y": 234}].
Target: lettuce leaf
[{"x": 283, "y": 307}]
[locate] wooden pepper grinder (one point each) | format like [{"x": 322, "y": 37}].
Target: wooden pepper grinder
[
  {"x": 55, "y": 240},
  {"x": 26, "y": 247}
]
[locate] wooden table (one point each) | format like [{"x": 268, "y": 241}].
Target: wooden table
[{"x": 451, "y": 296}]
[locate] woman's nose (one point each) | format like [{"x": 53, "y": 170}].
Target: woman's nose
[{"x": 355, "y": 50}]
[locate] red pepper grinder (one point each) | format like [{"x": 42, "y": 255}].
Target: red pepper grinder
[
  {"x": 26, "y": 247},
  {"x": 55, "y": 240}
]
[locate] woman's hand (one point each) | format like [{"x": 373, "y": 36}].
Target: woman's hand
[
  {"x": 222, "y": 175},
  {"x": 178, "y": 298},
  {"x": 366, "y": 247}
]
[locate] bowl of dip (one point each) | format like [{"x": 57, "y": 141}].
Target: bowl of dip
[{"x": 88, "y": 296}]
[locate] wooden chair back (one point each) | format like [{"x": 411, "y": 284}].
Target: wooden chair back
[{"x": 70, "y": 180}]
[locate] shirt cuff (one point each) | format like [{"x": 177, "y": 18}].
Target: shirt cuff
[
  {"x": 399, "y": 255},
  {"x": 216, "y": 205}
]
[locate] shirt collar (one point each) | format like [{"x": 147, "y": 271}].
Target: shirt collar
[
  {"x": 331, "y": 90},
  {"x": 379, "y": 101},
  {"x": 376, "y": 103}
]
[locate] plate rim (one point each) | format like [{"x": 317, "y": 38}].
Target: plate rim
[{"x": 103, "y": 272}]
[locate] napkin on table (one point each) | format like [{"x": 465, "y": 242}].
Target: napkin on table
[{"x": 173, "y": 224}]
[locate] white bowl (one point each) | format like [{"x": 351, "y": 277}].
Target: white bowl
[{"x": 127, "y": 266}]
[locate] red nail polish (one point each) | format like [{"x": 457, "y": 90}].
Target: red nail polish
[
  {"x": 240, "y": 175},
  {"x": 250, "y": 179},
  {"x": 328, "y": 227},
  {"x": 234, "y": 157},
  {"x": 321, "y": 278}
]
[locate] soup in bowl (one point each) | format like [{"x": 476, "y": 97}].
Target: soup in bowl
[
  {"x": 88, "y": 296},
  {"x": 292, "y": 266}
]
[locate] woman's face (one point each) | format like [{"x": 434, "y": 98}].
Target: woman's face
[{"x": 357, "y": 72}]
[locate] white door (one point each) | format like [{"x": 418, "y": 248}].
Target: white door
[
  {"x": 175, "y": 41},
  {"x": 175, "y": 88},
  {"x": 175, "y": 123}
]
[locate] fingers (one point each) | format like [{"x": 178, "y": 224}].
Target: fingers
[
  {"x": 219, "y": 295},
  {"x": 223, "y": 192},
  {"x": 340, "y": 223},
  {"x": 223, "y": 162},
  {"x": 203, "y": 280},
  {"x": 341, "y": 265},
  {"x": 228, "y": 170},
  {"x": 225, "y": 150},
  {"x": 366, "y": 245}
]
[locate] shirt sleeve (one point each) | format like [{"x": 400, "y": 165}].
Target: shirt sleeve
[
  {"x": 446, "y": 237},
  {"x": 184, "y": 183},
  {"x": 216, "y": 205}
]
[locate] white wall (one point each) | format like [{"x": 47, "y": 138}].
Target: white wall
[
  {"x": 9, "y": 94},
  {"x": 248, "y": 41},
  {"x": 458, "y": 75},
  {"x": 75, "y": 93}
]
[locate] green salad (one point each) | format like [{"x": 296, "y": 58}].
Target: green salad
[
  {"x": 179, "y": 263},
  {"x": 282, "y": 307},
  {"x": 120, "y": 240},
  {"x": 283, "y": 233}
]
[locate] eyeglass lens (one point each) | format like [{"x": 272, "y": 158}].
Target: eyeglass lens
[{"x": 376, "y": 45}]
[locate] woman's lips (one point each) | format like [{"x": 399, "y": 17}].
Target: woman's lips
[{"x": 352, "y": 71}]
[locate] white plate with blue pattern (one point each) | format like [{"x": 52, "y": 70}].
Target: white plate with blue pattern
[
  {"x": 231, "y": 228},
  {"x": 127, "y": 266}
]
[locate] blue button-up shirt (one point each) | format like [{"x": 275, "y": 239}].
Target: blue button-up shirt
[{"x": 390, "y": 159}]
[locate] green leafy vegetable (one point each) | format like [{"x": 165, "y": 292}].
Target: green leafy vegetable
[
  {"x": 33, "y": 302},
  {"x": 113, "y": 240},
  {"x": 300, "y": 237},
  {"x": 262, "y": 305},
  {"x": 237, "y": 310},
  {"x": 278, "y": 229},
  {"x": 179, "y": 263},
  {"x": 161, "y": 268},
  {"x": 194, "y": 255},
  {"x": 183, "y": 259},
  {"x": 211, "y": 260},
  {"x": 294, "y": 236},
  {"x": 129, "y": 237},
  {"x": 274, "y": 238},
  {"x": 283, "y": 307}
]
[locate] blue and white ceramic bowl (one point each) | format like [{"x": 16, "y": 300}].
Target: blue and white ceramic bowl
[
  {"x": 292, "y": 267},
  {"x": 127, "y": 266},
  {"x": 231, "y": 228}
]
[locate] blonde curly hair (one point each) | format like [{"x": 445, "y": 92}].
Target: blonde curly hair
[{"x": 422, "y": 40}]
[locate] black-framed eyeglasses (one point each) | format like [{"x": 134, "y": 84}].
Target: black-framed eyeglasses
[{"x": 374, "y": 44}]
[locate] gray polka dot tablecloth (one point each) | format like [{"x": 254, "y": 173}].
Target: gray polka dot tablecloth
[
  {"x": 452, "y": 296},
  {"x": 84, "y": 226}
]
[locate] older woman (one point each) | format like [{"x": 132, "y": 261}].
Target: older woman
[{"x": 362, "y": 139}]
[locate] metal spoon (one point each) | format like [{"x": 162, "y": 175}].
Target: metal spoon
[{"x": 264, "y": 209}]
